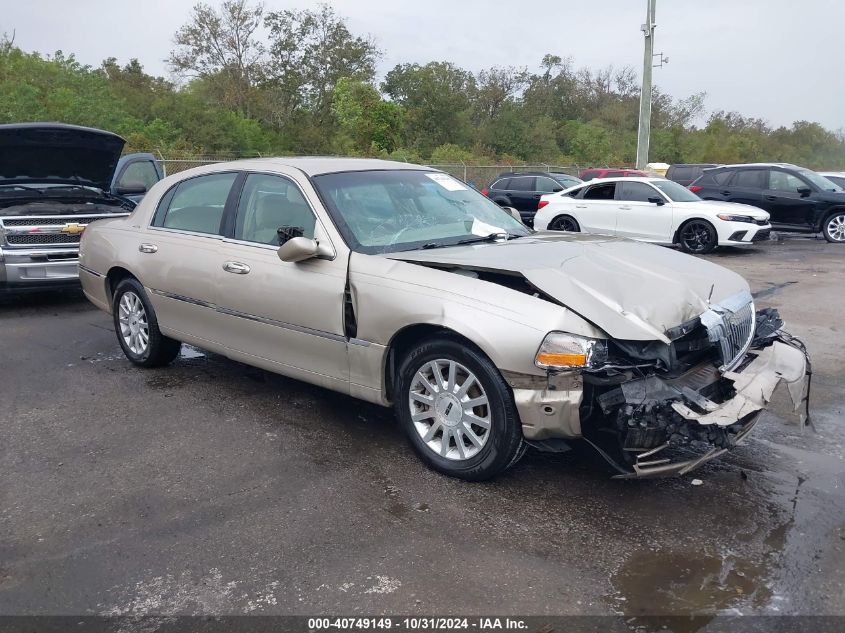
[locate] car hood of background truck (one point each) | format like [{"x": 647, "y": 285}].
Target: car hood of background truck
[
  {"x": 629, "y": 289},
  {"x": 59, "y": 154}
]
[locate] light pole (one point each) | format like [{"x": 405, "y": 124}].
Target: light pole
[{"x": 644, "y": 130}]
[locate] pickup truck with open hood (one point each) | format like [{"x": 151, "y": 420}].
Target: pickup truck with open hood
[{"x": 55, "y": 180}]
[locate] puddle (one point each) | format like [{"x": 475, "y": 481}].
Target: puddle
[
  {"x": 189, "y": 351},
  {"x": 688, "y": 587}
]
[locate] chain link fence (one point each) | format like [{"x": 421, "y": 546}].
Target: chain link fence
[{"x": 478, "y": 176}]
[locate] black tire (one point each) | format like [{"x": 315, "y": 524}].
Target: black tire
[
  {"x": 504, "y": 445},
  {"x": 565, "y": 223},
  {"x": 160, "y": 349},
  {"x": 833, "y": 227},
  {"x": 698, "y": 237}
]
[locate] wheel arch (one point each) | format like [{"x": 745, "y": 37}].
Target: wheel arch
[
  {"x": 676, "y": 237},
  {"x": 403, "y": 341},
  {"x": 824, "y": 216},
  {"x": 115, "y": 275}
]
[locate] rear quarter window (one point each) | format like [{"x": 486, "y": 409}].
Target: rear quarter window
[{"x": 196, "y": 204}]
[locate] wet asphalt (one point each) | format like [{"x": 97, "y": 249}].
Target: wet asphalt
[{"x": 210, "y": 487}]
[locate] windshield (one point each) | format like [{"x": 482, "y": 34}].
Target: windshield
[
  {"x": 819, "y": 181},
  {"x": 675, "y": 192},
  {"x": 567, "y": 181},
  {"x": 389, "y": 211}
]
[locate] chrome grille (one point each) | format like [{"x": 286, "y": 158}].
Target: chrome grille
[
  {"x": 41, "y": 238},
  {"x": 42, "y": 221},
  {"x": 730, "y": 325}
]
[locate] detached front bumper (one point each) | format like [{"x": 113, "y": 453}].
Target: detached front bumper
[{"x": 727, "y": 424}]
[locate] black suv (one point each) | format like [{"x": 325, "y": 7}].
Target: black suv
[
  {"x": 522, "y": 190},
  {"x": 687, "y": 174},
  {"x": 796, "y": 198}
]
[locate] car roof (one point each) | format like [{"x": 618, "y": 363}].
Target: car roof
[
  {"x": 734, "y": 166},
  {"x": 317, "y": 165},
  {"x": 621, "y": 179},
  {"x": 831, "y": 173}
]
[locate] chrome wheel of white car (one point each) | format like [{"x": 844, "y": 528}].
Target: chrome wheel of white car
[
  {"x": 449, "y": 409},
  {"x": 134, "y": 327},
  {"x": 834, "y": 227}
]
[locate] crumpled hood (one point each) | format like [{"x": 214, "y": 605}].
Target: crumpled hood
[
  {"x": 631, "y": 290},
  {"x": 58, "y": 153}
]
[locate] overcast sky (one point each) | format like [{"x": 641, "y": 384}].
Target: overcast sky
[{"x": 780, "y": 60}]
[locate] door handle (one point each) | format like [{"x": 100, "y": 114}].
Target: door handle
[
  {"x": 580, "y": 206},
  {"x": 147, "y": 248},
  {"x": 725, "y": 192},
  {"x": 238, "y": 268},
  {"x": 625, "y": 208},
  {"x": 771, "y": 197}
]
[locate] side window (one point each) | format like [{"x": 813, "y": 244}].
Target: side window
[
  {"x": 589, "y": 175},
  {"x": 637, "y": 192},
  {"x": 270, "y": 205},
  {"x": 683, "y": 173},
  {"x": 605, "y": 191},
  {"x": 141, "y": 172},
  {"x": 547, "y": 185},
  {"x": 748, "y": 178},
  {"x": 501, "y": 184},
  {"x": 721, "y": 177},
  {"x": 196, "y": 204},
  {"x": 523, "y": 183},
  {"x": 781, "y": 181}
]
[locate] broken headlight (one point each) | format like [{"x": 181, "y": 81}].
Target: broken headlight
[{"x": 568, "y": 351}]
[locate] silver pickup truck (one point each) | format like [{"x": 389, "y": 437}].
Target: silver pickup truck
[{"x": 54, "y": 180}]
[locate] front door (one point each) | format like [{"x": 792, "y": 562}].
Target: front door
[
  {"x": 784, "y": 202},
  {"x": 288, "y": 314}
]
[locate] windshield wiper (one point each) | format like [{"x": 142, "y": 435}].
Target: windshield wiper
[
  {"x": 24, "y": 187},
  {"x": 492, "y": 237}
]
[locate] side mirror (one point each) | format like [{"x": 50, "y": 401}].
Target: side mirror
[
  {"x": 513, "y": 213},
  {"x": 299, "y": 249},
  {"x": 130, "y": 188},
  {"x": 657, "y": 200},
  {"x": 804, "y": 191}
]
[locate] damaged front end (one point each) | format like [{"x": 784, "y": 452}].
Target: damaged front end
[{"x": 655, "y": 409}]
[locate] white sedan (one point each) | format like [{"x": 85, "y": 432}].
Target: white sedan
[{"x": 652, "y": 210}]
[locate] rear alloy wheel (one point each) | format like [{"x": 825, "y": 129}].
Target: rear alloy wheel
[
  {"x": 457, "y": 411},
  {"x": 834, "y": 227},
  {"x": 565, "y": 223},
  {"x": 137, "y": 327},
  {"x": 698, "y": 237}
]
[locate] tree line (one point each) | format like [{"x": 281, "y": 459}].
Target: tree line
[{"x": 248, "y": 80}]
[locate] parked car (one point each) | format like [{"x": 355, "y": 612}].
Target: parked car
[
  {"x": 797, "y": 199},
  {"x": 836, "y": 177},
  {"x": 590, "y": 174},
  {"x": 687, "y": 173},
  {"x": 653, "y": 210},
  {"x": 522, "y": 190},
  {"x": 54, "y": 180},
  {"x": 400, "y": 285}
]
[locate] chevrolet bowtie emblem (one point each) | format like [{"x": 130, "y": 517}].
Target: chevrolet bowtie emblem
[{"x": 73, "y": 228}]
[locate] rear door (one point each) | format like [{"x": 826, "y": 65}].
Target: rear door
[
  {"x": 289, "y": 314},
  {"x": 180, "y": 251},
  {"x": 597, "y": 209},
  {"x": 746, "y": 187},
  {"x": 522, "y": 194},
  {"x": 639, "y": 218},
  {"x": 783, "y": 202}
]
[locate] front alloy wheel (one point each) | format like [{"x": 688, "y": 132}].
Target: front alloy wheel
[
  {"x": 834, "y": 227},
  {"x": 457, "y": 410},
  {"x": 698, "y": 236},
  {"x": 450, "y": 409}
]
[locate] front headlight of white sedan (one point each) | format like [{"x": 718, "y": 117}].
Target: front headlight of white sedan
[{"x": 569, "y": 351}]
